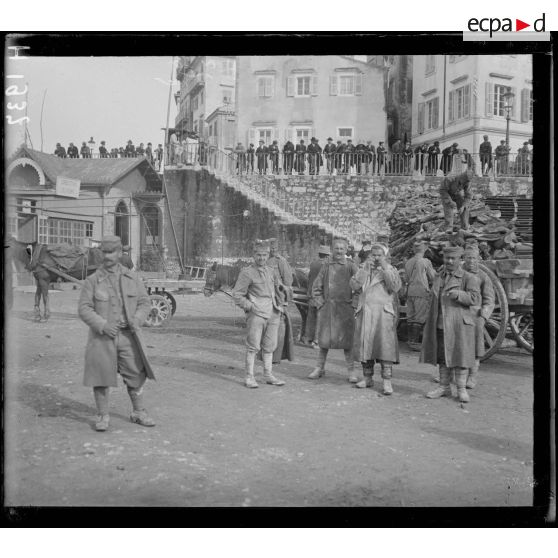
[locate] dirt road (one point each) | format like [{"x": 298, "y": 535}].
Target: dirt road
[{"x": 216, "y": 443}]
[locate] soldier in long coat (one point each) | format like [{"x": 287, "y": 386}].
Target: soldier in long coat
[
  {"x": 333, "y": 297},
  {"x": 419, "y": 275},
  {"x": 255, "y": 292},
  {"x": 273, "y": 151},
  {"x": 250, "y": 158},
  {"x": 114, "y": 304},
  {"x": 340, "y": 149},
  {"x": 324, "y": 252},
  {"x": 433, "y": 153},
  {"x": 485, "y": 154},
  {"x": 375, "y": 338},
  {"x": 329, "y": 152},
  {"x": 261, "y": 155},
  {"x": 480, "y": 313},
  {"x": 449, "y": 338},
  {"x": 315, "y": 160},
  {"x": 288, "y": 157},
  {"x": 300, "y": 154}
]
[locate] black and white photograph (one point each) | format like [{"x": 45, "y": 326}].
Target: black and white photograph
[{"x": 271, "y": 280}]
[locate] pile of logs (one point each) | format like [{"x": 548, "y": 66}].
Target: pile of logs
[{"x": 421, "y": 217}]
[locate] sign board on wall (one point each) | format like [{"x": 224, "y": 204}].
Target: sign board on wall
[{"x": 67, "y": 187}]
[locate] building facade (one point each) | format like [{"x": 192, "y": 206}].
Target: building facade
[
  {"x": 460, "y": 98},
  {"x": 296, "y": 97},
  {"x": 77, "y": 201},
  {"x": 207, "y": 83}
]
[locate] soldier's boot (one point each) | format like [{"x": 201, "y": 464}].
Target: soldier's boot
[
  {"x": 461, "y": 383},
  {"x": 386, "y": 377},
  {"x": 368, "y": 373},
  {"x": 37, "y": 313},
  {"x": 444, "y": 390},
  {"x": 319, "y": 371},
  {"x": 139, "y": 414},
  {"x": 473, "y": 375},
  {"x": 268, "y": 376},
  {"x": 349, "y": 360},
  {"x": 101, "y": 395},
  {"x": 249, "y": 380},
  {"x": 413, "y": 337}
]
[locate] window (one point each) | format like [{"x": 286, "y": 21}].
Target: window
[
  {"x": 264, "y": 134},
  {"x": 345, "y": 133},
  {"x": 428, "y": 115},
  {"x": 302, "y": 134},
  {"x": 227, "y": 66},
  {"x": 65, "y": 231},
  {"x": 430, "y": 64},
  {"x": 345, "y": 84},
  {"x": 11, "y": 226},
  {"x": 499, "y": 100},
  {"x": 459, "y": 103},
  {"x": 302, "y": 86},
  {"x": 195, "y": 103},
  {"x": 531, "y": 105},
  {"x": 526, "y": 105},
  {"x": 43, "y": 230},
  {"x": 227, "y": 96},
  {"x": 265, "y": 86}
]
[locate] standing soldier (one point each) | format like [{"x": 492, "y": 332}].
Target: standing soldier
[
  {"x": 324, "y": 252},
  {"x": 103, "y": 153},
  {"x": 371, "y": 157},
  {"x": 340, "y": 149},
  {"x": 485, "y": 154},
  {"x": 314, "y": 156},
  {"x": 255, "y": 293},
  {"x": 240, "y": 154},
  {"x": 288, "y": 156},
  {"x": 407, "y": 156},
  {"x": 274, "y": 157},
  {"x": 60, "y": 151},
  {"x": 73, "y": 152},
  {"x": 250, "y": 158},
  {"x": 381, "y": 155},
  {"x": 456, "y": 192},
  {"x": 420, "y": 275},
  {"x": 85, "y": 151},
  {"x": 375, "y": 338},
  {"x": 449, "y": 332},
  {"x": 333, "y": 298},
  {"x": 114, "y": 304},
  {"x": 433, "y": 153},
  {"x": 300, "y": 154},
  {"x": 502, "y": 152},
  {"x": 480, "y": 313},
  {"x": 261, "y": 154},
  {"x": 349, "y": 156},
  {"x": 421, "y": 152},
  {"x": 447, "y": 158},
  {"x": 361, "y": 156},
  {"x": 329, "y": 152}
]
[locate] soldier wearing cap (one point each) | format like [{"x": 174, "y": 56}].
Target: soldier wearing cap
[
  {"x": 329, "y": 152},
  {"x": 375, "y": 339},
  {"x": 300, "y": 156},
  {"x": 256, "y": 293},
  {"x": 324, "y": 253},
  {"x": 419, "y": 275},
  {"x": 447, "y": 158},
  {"x": 114, "y": 304},
  {"x": 485, "y": 154},
  {"x": 482, "y": 312},
  {"x": 288, "y": 157},
  {"x": 502, "y": 152},
  {"x": 449, "y": 332},
  {"x": 273, "y": 151},
  {"x": 250, "y": 158},
  {"x": 261, "y": 155},
  {"x": 456, "y": 192},
  {"x": 332, "y": 294},
  {"x": 315, "y": 160}
]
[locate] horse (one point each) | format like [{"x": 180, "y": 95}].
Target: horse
[
  {"x": 37, "y": 258},
  {"x": 222, "y": 278}
]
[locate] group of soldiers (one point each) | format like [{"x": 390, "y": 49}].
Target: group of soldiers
[
  {"x": 340, "y": 157},
  {"x": 354, "y": 307}
]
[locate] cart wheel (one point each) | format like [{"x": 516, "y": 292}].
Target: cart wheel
[
  {"x": 522, "y": 327},
  {"x": 495, "y": 327},
  {"x": 160, "y": 311},
  {"x": 171, "y": 300}
]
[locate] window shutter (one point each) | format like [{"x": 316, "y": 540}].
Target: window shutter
[
  {"x": 467, "y": 101},
  {"x": 261, "y": 87},
  {"x": 288, "y": 134},
  {"x": 450, "y": 106},
  {"x": 420, "y": 122},
  {"x": 291, "y": 86},
  {"x": 314, "y": 90},
  {"x": 358, "y": 84},
  {"x": 525, "y": 105},
  {"x": 276, "y": 134},
  {"x": 251, "y": 136},
  {"x": 272, "y": 87},
  {"x": 515, "y": 103},
  {"x": 435, "y": 109},
  {"x": 489, "y": 97},
  {"x": 333, "y": 84}
]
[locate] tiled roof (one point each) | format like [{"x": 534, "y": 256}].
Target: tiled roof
[{"x": 88, "y": 171}]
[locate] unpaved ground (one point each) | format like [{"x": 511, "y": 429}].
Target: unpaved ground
[{"x": 217, "y": 443}]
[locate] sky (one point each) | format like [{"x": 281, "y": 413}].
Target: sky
[{"x": 110, "y": 98}]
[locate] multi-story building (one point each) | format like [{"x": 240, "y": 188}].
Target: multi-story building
[
  {"x": 398, "y": 91},
  {"x": 460, "y": 98},
  {"x": 207, "y": 83},
  {"x": 297, "y": 97}
]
